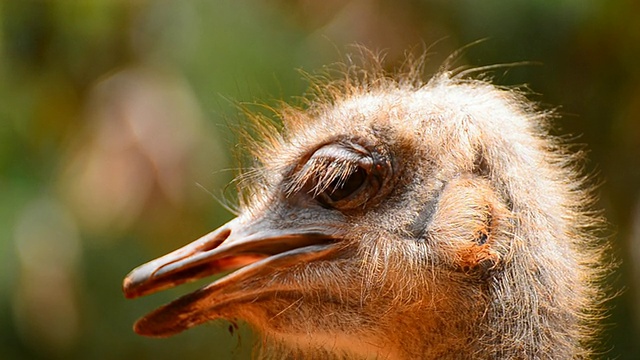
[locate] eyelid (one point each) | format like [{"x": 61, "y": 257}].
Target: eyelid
[
  {"x": 333, "y": 164},
  {"x": 337, "y": 152},
  {"x": 326, "y": 163}
]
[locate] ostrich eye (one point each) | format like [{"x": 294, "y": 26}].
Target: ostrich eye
[
  {"x": 342, "y": 189},
  {"x": 342, "y": 176},
  {"x": 346, "y": 185}
]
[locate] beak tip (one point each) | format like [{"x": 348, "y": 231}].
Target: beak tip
[
  {"x": 140, "y": 329},
  {"x": 137, "y": 282},
  {"x": 161, "y": 323},
  {"x": 132, "y": 285},
  {"x": 127, "y": 286}
]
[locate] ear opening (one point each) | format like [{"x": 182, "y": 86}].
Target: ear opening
[
  {"x": 480, "y": 258},
  {"x": 480, "y": 165}
]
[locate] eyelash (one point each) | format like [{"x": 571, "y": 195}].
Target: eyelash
[
  {"x": 331, "y": 173},
  {"x": 342, "y": 176}
]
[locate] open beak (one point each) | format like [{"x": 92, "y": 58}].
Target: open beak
[{"x": 255, "y": 248}]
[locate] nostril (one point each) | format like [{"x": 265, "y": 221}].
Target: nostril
[{"x": 216, "y": 241}]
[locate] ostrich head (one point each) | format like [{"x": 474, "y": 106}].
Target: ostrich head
[{"x": 399, "y": 220}]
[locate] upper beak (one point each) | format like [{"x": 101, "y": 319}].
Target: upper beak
[{"x": 237, "y": 244}]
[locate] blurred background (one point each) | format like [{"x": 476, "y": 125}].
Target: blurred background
[{"x": 116, "y": 138}]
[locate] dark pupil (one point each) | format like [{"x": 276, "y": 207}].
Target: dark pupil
[{"x": 340, "y": 190}]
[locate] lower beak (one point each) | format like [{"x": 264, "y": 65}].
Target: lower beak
[{"x": 248, "y": 246}]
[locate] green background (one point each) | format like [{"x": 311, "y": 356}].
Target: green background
[{"x": 116, "y": 137}]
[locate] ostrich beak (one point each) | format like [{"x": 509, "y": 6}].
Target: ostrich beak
[{"x": 255, "y": 248}]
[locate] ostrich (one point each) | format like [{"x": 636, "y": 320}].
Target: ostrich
[{"x": 393, "y": 218}]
